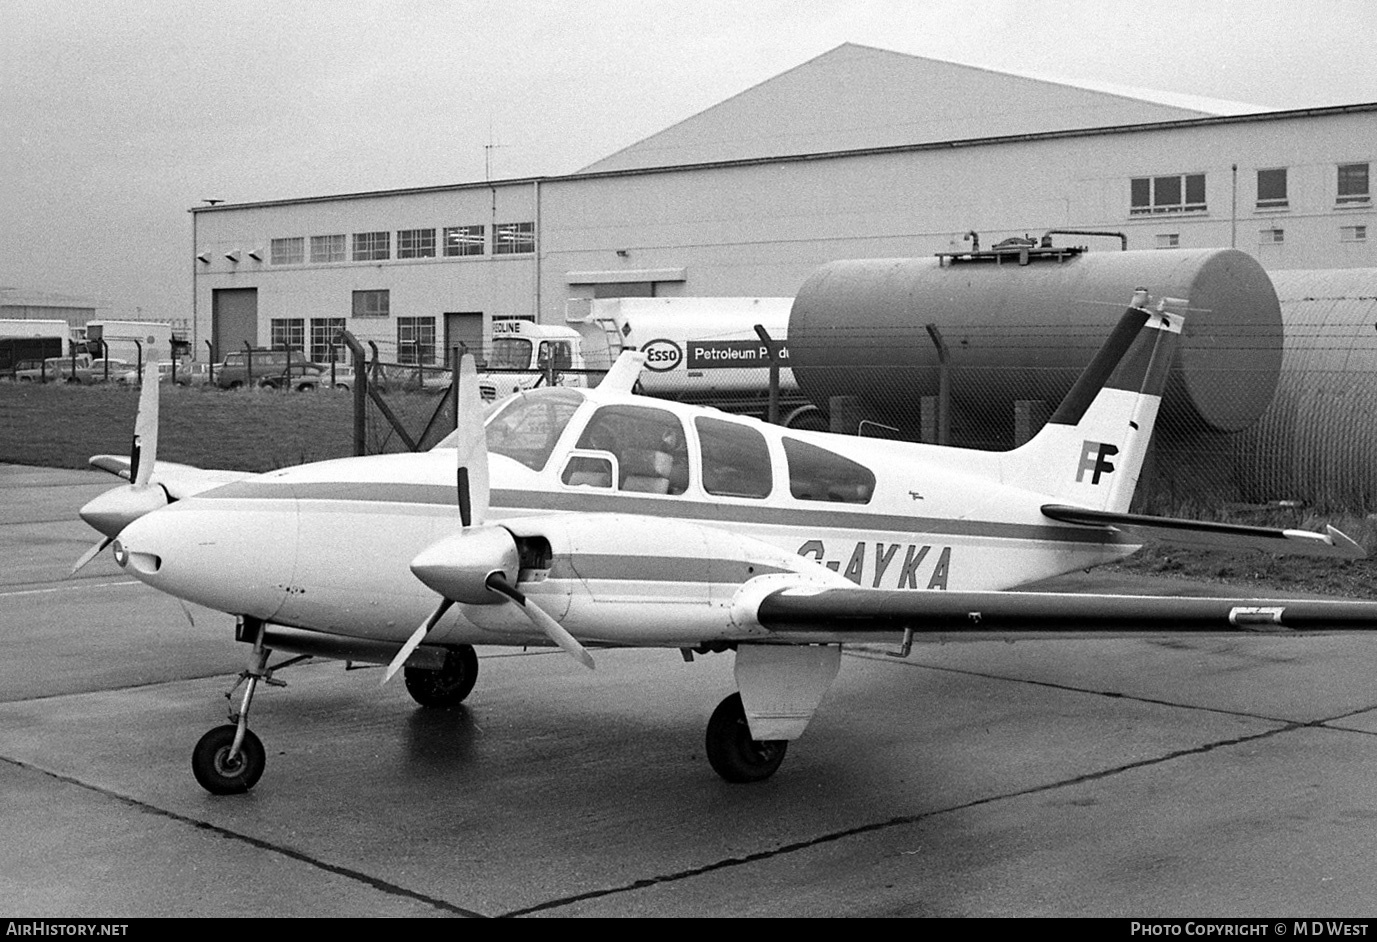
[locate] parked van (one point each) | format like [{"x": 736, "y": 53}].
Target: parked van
[{"x": 269, "y": 369}]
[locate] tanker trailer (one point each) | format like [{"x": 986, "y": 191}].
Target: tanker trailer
[{"x": 1015, "y": 328}]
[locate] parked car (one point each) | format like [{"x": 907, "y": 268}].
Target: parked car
[
  {"x": 131, "y": 376},
  {"x": 268, "y": 369},
  {"x": 117, "y": 370},
  {"x": 56, "y": 370}
]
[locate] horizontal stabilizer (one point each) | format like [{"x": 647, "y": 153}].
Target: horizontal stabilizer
[
  {"x": 179, "y": 480},
  {"x": 839, "y": 612},
  {"x": 1331, "y": 543}
]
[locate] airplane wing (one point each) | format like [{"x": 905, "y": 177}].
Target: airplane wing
[
  {"x": 838, "y": 613},
  {"x": 1331, "y": 543},
  {"x": 179, "y": 480}
]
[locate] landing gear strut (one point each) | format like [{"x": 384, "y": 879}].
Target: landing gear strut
[
  {"x": 229, "y": 760},
  {"x": 732, "y": 753}
]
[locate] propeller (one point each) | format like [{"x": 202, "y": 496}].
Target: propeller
[
  {"x": 479, "y": 564},
  {"x": 114, "y": 510}
]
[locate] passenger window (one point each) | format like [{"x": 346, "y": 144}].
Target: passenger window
[
  {"x": 588, "y": 471},
  {"x": 652, "y": 457},
  {"x": 818, "y": 474},
  {"x": 736, "y": 460}
]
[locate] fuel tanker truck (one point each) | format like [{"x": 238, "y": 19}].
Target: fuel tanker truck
[
  {"x": 994, "y": 338},
  {"x": 701, "y": 350}
]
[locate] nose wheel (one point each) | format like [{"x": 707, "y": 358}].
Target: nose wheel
[
  {"x": 229, "y": 759},
  {"x": 223, "y": 768}
]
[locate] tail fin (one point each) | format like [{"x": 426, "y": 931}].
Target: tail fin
[{"x": 1091, "y": 451}]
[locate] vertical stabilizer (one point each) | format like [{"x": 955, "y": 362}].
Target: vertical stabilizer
[{"x": 1091, "y": 451}]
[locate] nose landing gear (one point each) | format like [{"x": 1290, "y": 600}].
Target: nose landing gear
[{"x": 229, "y": 759}]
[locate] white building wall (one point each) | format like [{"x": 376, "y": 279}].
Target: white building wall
[{"x": 759, "y": 229}]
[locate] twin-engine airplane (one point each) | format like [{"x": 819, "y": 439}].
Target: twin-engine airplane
[{"x": 593, "y": 518}]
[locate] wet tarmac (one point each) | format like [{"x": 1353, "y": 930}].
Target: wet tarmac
[{"x": 1209, "y": 777}]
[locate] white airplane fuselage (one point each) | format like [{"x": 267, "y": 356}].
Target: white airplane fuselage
[{"x": 326, "y": 546}]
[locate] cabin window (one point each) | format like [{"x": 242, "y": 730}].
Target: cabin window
[
  {"x": 529, "y": 426},
  {"x": 561, "y": 352},
  {"x": 818, "y": 474},
  {"x": 648, "y": 443},
  {"x": 588, "y": 471},
  {"x": 736, "y": 460}
]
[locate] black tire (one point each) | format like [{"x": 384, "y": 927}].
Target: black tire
[
  {"x": 732, "y": 753},
  {"x": 218, "y": 776},
  {"x": 448, "y": 686}
]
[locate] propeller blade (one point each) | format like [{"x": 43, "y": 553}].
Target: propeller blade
[
  {"x": 552, "y": 629},
  {"x": 144, "y": 450},
  {"x": 90, "y": 554},
  {"x": 471, "y": 455},
  {"x": 416, "y": 638}
]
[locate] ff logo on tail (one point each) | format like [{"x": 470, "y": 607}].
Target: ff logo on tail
[{"x": 1095, "y": 459}]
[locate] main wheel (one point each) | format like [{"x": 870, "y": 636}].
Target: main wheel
[
  {"x": 448, "y": 686},
  {"x": 732, "y": 753},
  {"x": 210, "y": 762}
]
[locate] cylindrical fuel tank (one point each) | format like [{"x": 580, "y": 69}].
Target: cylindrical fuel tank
[{"x": 1025, "y": 331}]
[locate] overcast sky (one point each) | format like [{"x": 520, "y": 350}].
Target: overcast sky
[{"x": 117, "y": 116}]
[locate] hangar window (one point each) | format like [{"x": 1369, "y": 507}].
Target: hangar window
[
  {"x": 372, "y": 303},
  {"x": 1169, "y": 240},
  {"x": 1353, "y": 185},
  {"x": 1178, "y": 193},
  {"x": 736, "y": 460},
  {"x": 371, "y": 246},
  {"x": 1271, "y": 236},
  {"x": 288, "y": 333},
  {"x": 327, "y": 248},
  {"x": 415, "y": 340},
  {"x": 513, "y": 238},
  {"x": 416, "y": 243},
  {"x": 288, "y": 251},
  {"x": 464, "y": 240},
  {"x": 1353, "y": 233},
  {"x": 1271, "y": 188},
  {"x": 324, "y": 349},
  {"x": 818, "y": 474}
]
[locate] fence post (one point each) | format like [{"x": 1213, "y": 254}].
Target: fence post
[
  {"x": 456, "y": 355},
  {"x": 105, "y": 357},
  {"x": 138, "y": 347},
  {"x": 210, "y": 352},
  {"x": 943, "y": 386},
  {"x": 771, "y": 350},
  {"x": 248, "y": 365}
]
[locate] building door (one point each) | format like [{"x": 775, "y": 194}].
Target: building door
[
  {"x": 234, "y": 319},
  {"x": 464, "y": 328}
]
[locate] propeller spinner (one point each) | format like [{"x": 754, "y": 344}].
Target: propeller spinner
[{"x": 480, "y": 564}]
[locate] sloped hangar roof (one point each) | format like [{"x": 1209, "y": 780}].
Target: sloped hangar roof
[{"x": 858, "y": 97}]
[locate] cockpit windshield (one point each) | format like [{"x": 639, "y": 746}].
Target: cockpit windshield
[
  {"x": 527, "y": 426},
  {"x": 510, "y": 353}
]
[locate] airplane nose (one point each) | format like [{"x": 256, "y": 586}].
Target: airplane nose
[{"x": 217, "y": 553}]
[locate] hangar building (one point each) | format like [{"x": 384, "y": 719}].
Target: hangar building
[{"x": 858, "y": 153}]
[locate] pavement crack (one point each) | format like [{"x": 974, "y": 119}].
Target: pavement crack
[
  {"x": 382, "y": 886},
  {"x": 902, "y": 821}
]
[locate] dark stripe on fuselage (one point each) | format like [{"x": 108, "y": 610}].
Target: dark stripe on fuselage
[{"x": 812, "y": 517}]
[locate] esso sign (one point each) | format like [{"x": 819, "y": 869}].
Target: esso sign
[{"x": 662, "y": 355}]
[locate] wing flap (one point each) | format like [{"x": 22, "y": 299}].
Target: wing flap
[
  {"x": 1331, "y": 543},
  {"x": 843, "y": 612}
]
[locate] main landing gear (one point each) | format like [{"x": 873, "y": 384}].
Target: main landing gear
[
  {"x": 448, "y": 686},
  {"x": 732, "y": 753}
]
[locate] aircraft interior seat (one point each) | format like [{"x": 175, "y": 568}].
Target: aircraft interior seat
[{"x": 646, "y": 484}]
